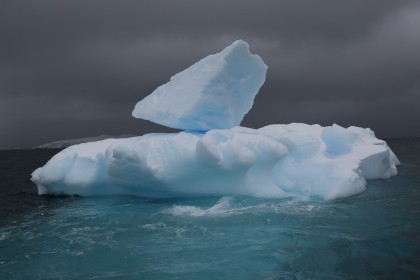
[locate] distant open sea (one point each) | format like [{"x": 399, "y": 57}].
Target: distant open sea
[{"x": 373, "y": 235}]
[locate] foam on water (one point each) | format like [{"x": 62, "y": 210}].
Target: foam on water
[
  {"x": 220, "y": 209},
  {"x": 226, "y": 207}
]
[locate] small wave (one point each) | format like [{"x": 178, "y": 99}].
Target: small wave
[
  {"x": 221, "y": 209},
  {"x": 5, "y": 235},
  {"x": 226, "y": 207},
  {"x": 155, "y": 226}
]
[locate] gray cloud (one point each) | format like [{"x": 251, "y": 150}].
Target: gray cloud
[{"x": 76, "y": 68}]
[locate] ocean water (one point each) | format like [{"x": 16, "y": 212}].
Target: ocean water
[{"x": 374, "y": 235}]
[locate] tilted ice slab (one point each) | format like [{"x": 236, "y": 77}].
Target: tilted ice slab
[
  {"x": 215, "y": 92},
  {"x": 273, "y": 161}
]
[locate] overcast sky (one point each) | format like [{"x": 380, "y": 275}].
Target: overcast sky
[{"x": 72, "y": 69}]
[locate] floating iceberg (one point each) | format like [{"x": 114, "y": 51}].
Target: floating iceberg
[
  {"x": 60, "y": 144},
  {"x": 215, "y": 92},
  {"x": 273, "y": 161},
  {"x": 215, "y": 156}
]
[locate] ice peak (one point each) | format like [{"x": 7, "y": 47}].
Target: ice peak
[{"x": 216, "y": 92}]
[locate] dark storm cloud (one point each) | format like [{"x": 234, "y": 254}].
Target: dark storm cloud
[{"x": 76, "y": 68}]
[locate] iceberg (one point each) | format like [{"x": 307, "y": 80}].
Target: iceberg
[
  {"x": 273, "y": 161},
  {"x": 215, "y": 92},
  {"x": 61, "y": 144},
  {"x": 214, "y": 155}
]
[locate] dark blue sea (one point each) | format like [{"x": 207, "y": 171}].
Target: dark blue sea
[{"x": 373, "y": 235}]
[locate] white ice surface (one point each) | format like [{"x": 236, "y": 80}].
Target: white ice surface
[
  {"x": 215, "y": 92},
  {"x": 273, "y": 161}
]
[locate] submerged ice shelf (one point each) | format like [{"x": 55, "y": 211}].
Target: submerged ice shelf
[{"x": 215, "y": 156}]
